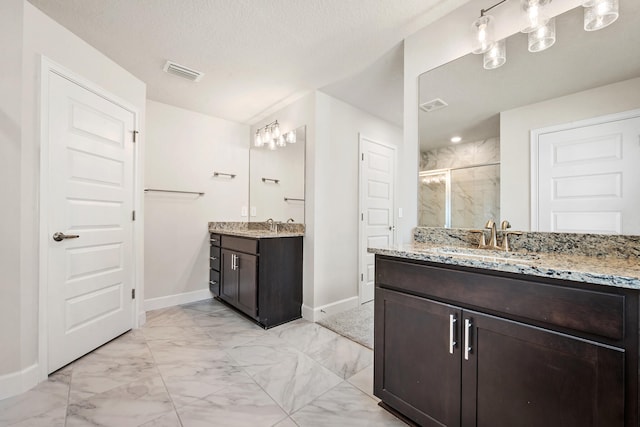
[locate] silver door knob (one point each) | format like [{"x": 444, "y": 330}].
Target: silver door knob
[{"x": 59, "y": 237}]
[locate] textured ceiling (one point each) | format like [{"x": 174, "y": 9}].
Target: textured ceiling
[{"x": 256, "y": 54}]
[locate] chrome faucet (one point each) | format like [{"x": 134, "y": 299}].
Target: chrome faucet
[
  {"x": 270, "y": 222},
  {"x": 290, "y": 220}
]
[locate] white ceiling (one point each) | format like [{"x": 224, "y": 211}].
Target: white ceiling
[{"x": 256, "y": 54}]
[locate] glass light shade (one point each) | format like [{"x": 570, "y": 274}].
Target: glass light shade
[
  {"x": 280, "y": 141},
  {"x": 267, "y": 134},
  {"x": 258, "y": 141},
  {"x": 482, "y": 34},
  {"x": 536, "y": 14},
  {"x": 272, "y": 144},
  {"x": 600, "y": 14},
  {"x": 544, "y": 37},
  {"x": 496, "y": 56},
  {"x": 275, "y": 130},
  {"x": 291, "y": 137}
]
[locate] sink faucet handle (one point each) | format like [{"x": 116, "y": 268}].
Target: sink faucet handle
[
  {"x": 505, "y": 224},
  {"x": 505, "y": 239},
  {"x": 490, "y": 224},
  {"x": 482, "y": 241}
]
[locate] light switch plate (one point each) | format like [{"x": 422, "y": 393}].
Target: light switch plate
[{"x": 253, "y": 211}]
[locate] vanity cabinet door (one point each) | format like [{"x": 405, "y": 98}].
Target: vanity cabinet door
[
  {"x": 520, "y": 375},
  {"x": 418, "y": 357},
  {"x": 247, "y": 283},
  {"x": 229, "y": 279}
]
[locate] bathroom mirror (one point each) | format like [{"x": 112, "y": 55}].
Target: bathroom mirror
[
  {"x": 276, "y": 181},
  {"x": 476, "y": 99}
]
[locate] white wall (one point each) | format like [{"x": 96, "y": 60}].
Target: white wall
[
  {"x": 336, "y": 190},
  {"x": 515, "y": 127},
  {"x": 183, "y": 150},
  {"x": 28, "y": 33},
  {"x": 443, "y": 41},
  {"x": 11, "y": 351}
]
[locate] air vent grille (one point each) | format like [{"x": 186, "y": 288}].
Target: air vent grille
[
  {"x": 433, "y": 105},
  {"x": 182, "y": 71}
]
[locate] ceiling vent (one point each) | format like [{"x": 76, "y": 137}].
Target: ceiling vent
[
  {"x": 433, "y": 105},
  {"x": 182, "y": 71}
]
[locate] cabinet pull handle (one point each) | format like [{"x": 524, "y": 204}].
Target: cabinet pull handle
[
  {"x": 213, "y": 240},
  {"x": 234, "y": 261},
  {"x": 452, "y": 332},
  {"x": 212, "y": 258},
  {"x": 467, "y": 339},
  {"x": 213, "y": 282}
]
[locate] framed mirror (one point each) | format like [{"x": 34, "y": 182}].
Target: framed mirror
[
  {"x": 277, "y": 181},
  {"x": 495, "y": 113}
]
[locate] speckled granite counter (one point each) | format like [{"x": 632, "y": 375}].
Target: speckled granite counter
[
  {"x": 256, "y": 230},
  {"x": 621, "y": 268}
]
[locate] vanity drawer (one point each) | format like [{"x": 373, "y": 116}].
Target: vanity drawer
[
  {"x": 214, "y": 257},
  {"x": 214, "y": 239},
  {"x": 582, "y": 310},
  {"x": 240, "y": 244}
]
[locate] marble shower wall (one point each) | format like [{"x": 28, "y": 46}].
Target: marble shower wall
[{"x": 475, "y": 192}]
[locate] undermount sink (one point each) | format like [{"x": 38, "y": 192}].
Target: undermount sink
[{"x": 485, "y": 254}]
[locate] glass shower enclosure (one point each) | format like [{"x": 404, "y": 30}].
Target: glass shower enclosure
[{"x": 464, "y": 197}]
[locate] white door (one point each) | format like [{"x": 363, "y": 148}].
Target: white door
[
  {"x": 589, "y": 179},
  {"x": 377, "y": 221},
  {"x": 90, "y": 178}
]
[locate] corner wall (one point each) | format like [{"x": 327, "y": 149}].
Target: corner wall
[{"x": 183, "y": 150}]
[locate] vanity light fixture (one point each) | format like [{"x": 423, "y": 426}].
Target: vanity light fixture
[
  {"x": 600, "y": 13},
  {"x": 540, "y": 28},
  {"x": 271, "y": 136}
]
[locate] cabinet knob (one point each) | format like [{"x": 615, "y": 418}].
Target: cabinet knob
[{"x": 212, "y": 258}]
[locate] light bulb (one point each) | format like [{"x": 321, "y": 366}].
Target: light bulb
[
  {"x": 483, "y": 34},
  {"x": 272, "y": 144},
  {"x": 280, "y": 141},
  {"x": 275, "y": 130},
  {"x": 291, "y": 137},
  {"x": 258, "y": 141},
  {"x": 267, "y": 134}
]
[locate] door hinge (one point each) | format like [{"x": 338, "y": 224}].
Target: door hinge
[
  {"x": 133, "y": 215},
  {"x": 133, "y": 294},
  {"x": 363, "y": 157},
  {"x": 361, "y": 217},
  {"x": 361, "y": 277},
  {"x": 135, "y": 136}
]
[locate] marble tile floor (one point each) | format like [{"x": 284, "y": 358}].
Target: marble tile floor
[{"x": 203, "y": 364}]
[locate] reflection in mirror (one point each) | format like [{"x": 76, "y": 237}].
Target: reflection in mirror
[
  {"x": 276, "y": 181},
  {"x": 584, "y": 76}
]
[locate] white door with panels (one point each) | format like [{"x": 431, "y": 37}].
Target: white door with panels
[
  {"x": 589, "y": 178},
  {"x": 377, "y": 220},
  {"x": 90, "y": 272}
]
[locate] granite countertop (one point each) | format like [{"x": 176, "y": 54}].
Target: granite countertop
[
  {"x": 258, "y": 234},
  {"x": 256, "y": 230},
  {"x": 600, "y": 270}
]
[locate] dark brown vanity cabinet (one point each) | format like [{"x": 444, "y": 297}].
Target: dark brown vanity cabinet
[
  {"x": 452, "y": 349},
  {"x": 262, "y": 277}
]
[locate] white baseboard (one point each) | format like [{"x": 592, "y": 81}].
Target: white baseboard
[
  {"x": 177, "y": 299},
  {"x": 19, "y": 382},
  {"x": 319, "y": 313}
]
